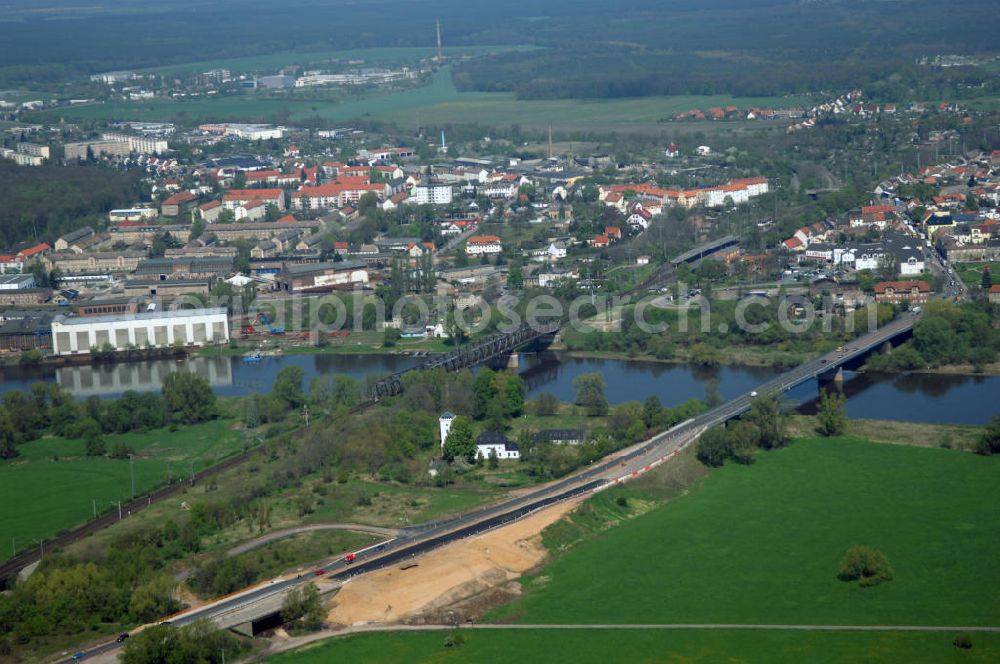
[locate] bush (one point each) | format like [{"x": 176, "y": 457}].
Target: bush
[
  {"x": 868, "y": 565},
  {"x": 547, "y": 404},
  {"x": 303, "y": 608},
  {"x": 455, "y": 640},
  {"x": 713, "y": 447},
  {"x": 28, "y": 357},
  {"x": 963, "y": 641}
]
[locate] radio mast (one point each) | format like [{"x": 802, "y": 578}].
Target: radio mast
[{"x": 440, "y": 55}]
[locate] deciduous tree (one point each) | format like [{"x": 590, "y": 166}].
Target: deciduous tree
[
  {"x": 590, "y": 394},
  {"x": 832, "y": 414},
  {"x": 460, "y": 441}
]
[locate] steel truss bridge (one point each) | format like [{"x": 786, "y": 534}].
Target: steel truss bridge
[{"x": 482, "y": 351}]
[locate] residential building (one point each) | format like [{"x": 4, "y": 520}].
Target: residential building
[
  {"x": 131, "y": 214},
  {"x": 138, "y": 144},
  {"x": 344, "y": 191},
  {"x": 10, "y": 263},
  {"x": 897, "y": 292},
  {"x": 431, "y": 194},
  {"x": 27, "y": 154},
  {"x": 180, "y": 203},
  {"x": 494, "y": 443},
  {"x": 639, "y": 217},
  {"x": 237, "y": 198},
  {"x": 551, "y": 278},
  {"x": 258, "y": 231},
  {"x": 553, "y": 252},
  {"x": 95, "y": 149},
  {"x": 480, "y": 245},
  {"x": 561, "y": 436},
  {"x": 210, "y": 211}
]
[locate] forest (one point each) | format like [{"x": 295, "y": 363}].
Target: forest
[
  {"x": 40, "y": 204},
  {"x": 755, "y": 47}
]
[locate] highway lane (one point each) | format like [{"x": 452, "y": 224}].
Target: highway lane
[{"x": 618, "y": 467}]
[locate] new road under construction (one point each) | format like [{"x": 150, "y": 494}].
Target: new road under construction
[{"x": 256, "y": 609}]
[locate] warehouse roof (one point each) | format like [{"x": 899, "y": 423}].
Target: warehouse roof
[{"x": 143, "y": 315}]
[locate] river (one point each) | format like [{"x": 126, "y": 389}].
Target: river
[{"x": 930, "y": 398}]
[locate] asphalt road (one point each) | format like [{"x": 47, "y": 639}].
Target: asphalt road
[{"x": 619, "y": 467}]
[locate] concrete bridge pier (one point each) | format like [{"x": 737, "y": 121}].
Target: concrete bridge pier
[
  {"x": 513, "y": 362},
  {"x": 832, "y": 376}
]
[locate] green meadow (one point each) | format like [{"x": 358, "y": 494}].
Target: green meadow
[
  {"x": 647, "y": 646},
  {"x": 755, "y": 545},
  {"x": 439, "y": 103},
  {"x": 53, "y": 485},
  {"x": 762, "y": 544}
]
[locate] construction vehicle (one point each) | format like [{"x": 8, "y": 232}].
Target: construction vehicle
[{"x": 266, "y": 322}]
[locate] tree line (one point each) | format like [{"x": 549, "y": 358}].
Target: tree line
[
  {"x": 947, "y": 333},
  {"x": 186, "y": 398}
]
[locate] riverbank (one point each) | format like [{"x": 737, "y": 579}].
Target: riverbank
[
  {"x": 893, "y": 432},
  {"x": 762, "y": 357},
  {"x": 365, "y": 343}
]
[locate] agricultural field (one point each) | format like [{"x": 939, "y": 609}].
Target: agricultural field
[
  {"x": 441, "y": 103},
  {"x": 275, "y": 61},
  {"x": 53, "y": 485},
  {"x": 646, "y": 645},
  {"x": 762, "y": 544},
  {"x": 750, "y": 545}
]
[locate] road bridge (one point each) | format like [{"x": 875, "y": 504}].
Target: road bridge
[
  {"x": 258, "y": 607},
  {"x": 693, "y": 258}
]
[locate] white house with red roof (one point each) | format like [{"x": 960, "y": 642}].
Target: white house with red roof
[
  {"x": 33, "y": 252},
  {"x": 342, "y": 192},
  {"x": 639, "y": 217},
  {"x": 237, "y": 198},
  {"x": 483, "y": 245}
]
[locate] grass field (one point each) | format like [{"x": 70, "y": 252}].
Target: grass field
[
  {"x": 53, "y": 485},
  {"x": 761, "y": 544},
  {"x": 394, "y": 506},
  {"x": 439, "y": 103},
  {"x": 647, "y": 646},
  {"x": 971, "y": 274},
  {"x": 756, "y": 544},
  {"x": 275, "y": 61}
]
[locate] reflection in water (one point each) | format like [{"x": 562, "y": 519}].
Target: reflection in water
[
  {"x": 112, "y": 379},
  {"x": 915, "y": 397},
  {"x": 628, "y": 380},
  {"x": 932, "y": 398}
]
